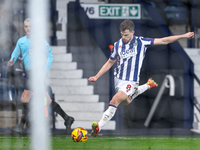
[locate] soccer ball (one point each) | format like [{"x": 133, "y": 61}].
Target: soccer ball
[{"x": 79, "y": 135}]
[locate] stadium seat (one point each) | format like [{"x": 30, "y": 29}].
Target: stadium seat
[{"x": 177, "y": 13}]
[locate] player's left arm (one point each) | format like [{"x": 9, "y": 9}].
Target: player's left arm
[
  {"x": 171, "y": 39},
  {"x": 49, "y": 56}
]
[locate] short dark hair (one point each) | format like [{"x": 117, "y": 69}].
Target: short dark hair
[
  {"x": 27, "y": 20},
  {"x": 127, "y": 25}
]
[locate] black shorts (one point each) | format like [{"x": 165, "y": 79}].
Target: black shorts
[{"x": 28, "y": 81}]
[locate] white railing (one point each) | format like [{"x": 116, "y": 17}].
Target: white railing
[{"x": 167, "y": 83}]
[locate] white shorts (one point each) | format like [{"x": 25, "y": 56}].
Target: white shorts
[{"x": 128, "y": 87}]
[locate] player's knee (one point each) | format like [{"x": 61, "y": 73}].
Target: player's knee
[
  {"x": 48, "y": 98},
  {"x": 118, "y": 98},
  {"x": 25, "y": 97}
]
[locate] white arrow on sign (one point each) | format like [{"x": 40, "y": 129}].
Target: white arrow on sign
[{"x": 133, "y": 11}]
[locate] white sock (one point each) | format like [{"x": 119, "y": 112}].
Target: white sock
[
  {"x": 141, "y": 89},
  {"x": 108, "y": 114}
]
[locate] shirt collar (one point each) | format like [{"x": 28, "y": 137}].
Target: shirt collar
[{"x": 133, "y": 40}]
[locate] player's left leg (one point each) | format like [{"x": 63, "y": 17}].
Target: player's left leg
[
  {"x": 57, "y": 108},
  {"x": 68, "y": 119},
  {"x": 142, "y": 88}
]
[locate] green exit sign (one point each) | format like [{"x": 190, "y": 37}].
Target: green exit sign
[
  {"x": 112, "y": 11},
  {"x": 119, "y": 11}
]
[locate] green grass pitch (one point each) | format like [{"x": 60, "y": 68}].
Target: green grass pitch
[{"x": 109, "y": 143}]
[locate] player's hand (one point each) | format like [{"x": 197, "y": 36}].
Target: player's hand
[
  {"x": 92, "y": 79},
  {"x": 10, "y": 62},
  {"x": 189, "y": 35}
]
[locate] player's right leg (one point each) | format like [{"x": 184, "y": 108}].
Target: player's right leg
[
  {"x": 109, "y": 113},
  {"x": 25, "y": 98},
  {"x": 24, "y": 118},
  {"x": 123, "y": 88},
  {"x": 106, "y": 117}
]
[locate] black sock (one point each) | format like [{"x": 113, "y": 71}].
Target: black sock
[
  {"x": 56, "y": 107},
  {"x": 25, "y": 110}
]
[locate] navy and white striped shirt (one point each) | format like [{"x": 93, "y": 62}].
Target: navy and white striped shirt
[{"x": 131, "y": 57}]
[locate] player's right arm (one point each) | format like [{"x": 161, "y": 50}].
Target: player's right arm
[
  {"x": 103, "y": 70},
  {"x": 10, "y": 62},
  {"x": 14, "y": 55}
]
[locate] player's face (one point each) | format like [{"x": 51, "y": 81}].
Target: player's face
[
  {"x": 127, "y": 36},
  {"x": 27, "y": 28}
]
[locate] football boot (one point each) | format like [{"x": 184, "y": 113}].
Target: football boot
[
  {"x": 151, "y": 83},
  {"x": 95, "y": 129}
]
